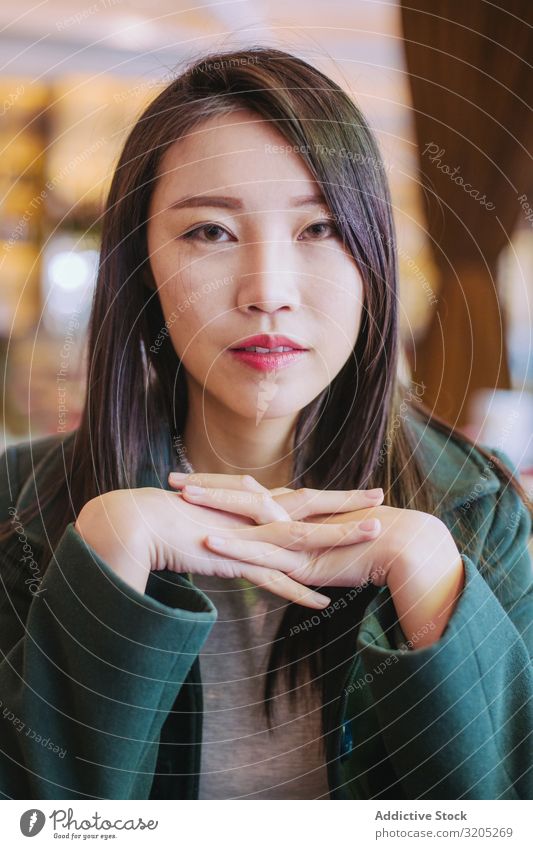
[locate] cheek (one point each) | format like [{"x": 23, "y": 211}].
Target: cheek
[
  {"x": 338, "y": 309},
  {"x": 193, "y": 319},
  {"x": 187, "y": 282},
  {"x": 184, "y": 290}
]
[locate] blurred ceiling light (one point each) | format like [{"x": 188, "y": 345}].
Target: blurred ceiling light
[
  {"x": 70, "y": 270},
  {"x": 135, "y": 32},
  {"x": 69, "y": 277}
]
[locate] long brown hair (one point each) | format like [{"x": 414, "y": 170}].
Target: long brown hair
[{"x": 353, "y": 434}]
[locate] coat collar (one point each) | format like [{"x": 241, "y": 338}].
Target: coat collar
[
  {"x": 457, "y": 470},
  {"x": 459, "y": 474}
]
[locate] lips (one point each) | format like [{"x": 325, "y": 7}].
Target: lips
[
  {"x": 268, "y": 342},
  {"x": 270, "y": 360}
]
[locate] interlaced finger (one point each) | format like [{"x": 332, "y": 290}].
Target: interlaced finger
[
  {"x": 300, "y": 503},
  {"x": 274, "y": 581},
  {"x": 246, "y": 482},
  {"x": 259, "y": 506},
  {"x": 305, "y": 535},
  {"x": 258, "y": 553}
]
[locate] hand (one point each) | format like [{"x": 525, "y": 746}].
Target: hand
[
  {"x": 243, "y": 495},
  {"x": 414, "y": 554},
  {"x": 136, "y": 531}
]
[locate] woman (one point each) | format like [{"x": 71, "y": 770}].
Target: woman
[{"x": 249, "y": 210}]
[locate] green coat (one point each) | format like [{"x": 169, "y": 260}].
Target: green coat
[{"x": 90, "y": 669}]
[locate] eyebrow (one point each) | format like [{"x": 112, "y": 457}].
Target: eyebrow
[{"x": 225, "y": 202}]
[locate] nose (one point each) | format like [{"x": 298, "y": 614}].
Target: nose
[{"x": 268, "y": 280}]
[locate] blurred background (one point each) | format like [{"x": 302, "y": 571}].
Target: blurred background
[{"x": 447, "y": 87}]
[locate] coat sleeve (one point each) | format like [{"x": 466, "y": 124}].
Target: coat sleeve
[
  {"x": 454, "y": 720},
  {"x": 89, "y": 667}
]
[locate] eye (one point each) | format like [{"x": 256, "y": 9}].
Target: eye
[
  {"x": 209, "y": 230},
  {"x": 319, "y": 229}
]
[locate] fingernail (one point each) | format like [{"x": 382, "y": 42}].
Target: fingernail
[
  {"x": 374, "y": 493},
  {"x": 321, "y": 599},
  {"x": 369, "y": 525},
  {"x": 194, "y": 490},
  {"x": 178, "y": 476},
  {"x": 216, "y": 542}
]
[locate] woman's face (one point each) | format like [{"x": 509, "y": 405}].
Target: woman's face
[{"x": 252, "y": 253}]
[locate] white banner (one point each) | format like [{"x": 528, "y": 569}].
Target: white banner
[{"x": 267, "y": 824}]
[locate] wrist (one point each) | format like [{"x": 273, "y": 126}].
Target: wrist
[
  {"x": 425, "y": 590},
  {"x": 121, "y": 544}
]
